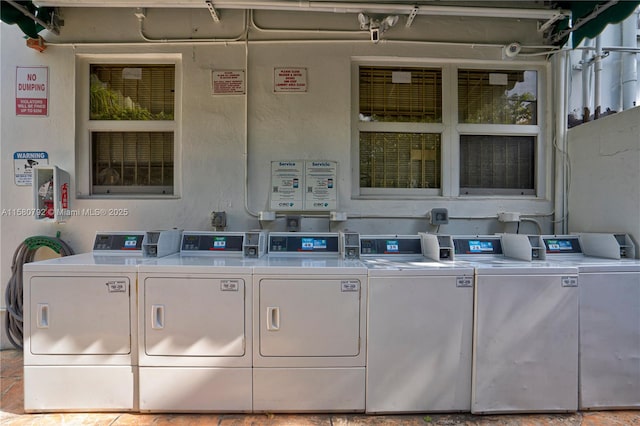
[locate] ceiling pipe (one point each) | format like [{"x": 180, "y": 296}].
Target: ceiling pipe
[
  {"x": 344, "y": 7},
  {"x": 326, "y": 6}
]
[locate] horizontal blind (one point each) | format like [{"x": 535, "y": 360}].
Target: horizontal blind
[
  {"x": 125, "y": 159},
  {"x": 417, "y": 99},
  {"x": 132, "y": 92},
  {"x": 497, "y": 162},
  {"x": 399, "y": 160},
  {"x": 481, "y": 100}
]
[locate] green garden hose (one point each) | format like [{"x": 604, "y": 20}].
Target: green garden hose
[{"x": 13, "y": 295}]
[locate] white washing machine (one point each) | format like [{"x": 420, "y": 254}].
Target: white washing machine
[
  {"x": 525, "y": 342},
  {"x": 195, "y": 328},
  {"x": 419, "y": 328},
  {"x": 79, "y": 324},
  {"x": 309, "y": 334},
  {"x": 609, "y": 316}
]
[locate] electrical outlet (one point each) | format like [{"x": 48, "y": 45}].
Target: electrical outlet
[{"x": 219, "y": 220}]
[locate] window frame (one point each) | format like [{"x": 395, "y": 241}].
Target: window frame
[
  {"x": 85, "y": 126},
  {"x": 451, "y": 130},
  {"x": 391, "y": 127}
]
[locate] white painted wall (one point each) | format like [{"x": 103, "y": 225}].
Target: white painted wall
[
  {"x": 222, "y": 134},
  {"x": 605, "y": 175}
]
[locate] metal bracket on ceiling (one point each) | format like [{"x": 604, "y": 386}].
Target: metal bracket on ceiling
[
  {"x": 544, "y": 27},
  {"x": 412, "y": 16},
  {"x": 52, "y": 26},
  {"x": 212, "y": 10}
]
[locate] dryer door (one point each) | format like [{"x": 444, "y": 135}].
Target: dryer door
[
  {"x": 186, "y": 316},
  {"x": 309, "y": 317},
  {"x": 73, "y": 315}
]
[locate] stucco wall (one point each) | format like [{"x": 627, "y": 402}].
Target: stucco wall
[
  {"x": 221, "y": 135},
  {"x": 605, "y": 175}
]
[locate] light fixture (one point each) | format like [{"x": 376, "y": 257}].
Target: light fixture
[{"x": 376, "y": 26}]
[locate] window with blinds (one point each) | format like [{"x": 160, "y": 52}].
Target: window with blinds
[
  {"x": 132, "y": 162},
  {"x": 399, "y": 160},
  {"x": 399, "y": 147},
  {"x": 499, "y": 165},
  {"x": 132, "y": 129},
  {"x": 497, "y": 97},
  {"x": 400, "y": 94},
  {"x": 132, "y": 92}
]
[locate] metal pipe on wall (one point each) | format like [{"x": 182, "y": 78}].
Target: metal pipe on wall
[
  {"x": 629, "y": 61},
  {"x": 597, "y": 70}
]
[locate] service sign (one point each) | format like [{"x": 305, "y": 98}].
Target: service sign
[
  {"x": 32, "y": 91},
  {"x": 320, "y": 182},
  {"x": 286, "y": 185}
]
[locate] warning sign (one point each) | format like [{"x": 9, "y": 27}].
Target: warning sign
[
  {"x": 32, "y": 91},
  {"x": 23, "y": 164},
  {"x": 227, "y": 82},
  {"x": 289, "y": 79}
]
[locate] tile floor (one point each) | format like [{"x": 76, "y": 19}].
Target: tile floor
[{"x": 12, "y": 413}]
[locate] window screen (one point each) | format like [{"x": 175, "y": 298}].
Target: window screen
[
  {"x": 399, "y": 160},
  {"x": 400, "y": 94},
  {"x": 497, "y": 164},
  {"x": 497, "y": 97},
  {"x": 132, "y": 162},
  {"x": 132, "y": 128},
  {"x": 132, "y": 92}
]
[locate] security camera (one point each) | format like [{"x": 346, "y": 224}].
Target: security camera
[
  {"x": 512, "y": 50},
  {"x": 375, "y": 34}
]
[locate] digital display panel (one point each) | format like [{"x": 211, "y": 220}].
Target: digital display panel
[
  {"x": 130, "y": 243},
  {"x": 313, "y": 244},
  {"x": 399, "y": 246},
  {"x": 392, "y": 246},
  {"x": 562, "y": 245},
  {"x": 306, "y": 244},
  {"x": 212, "y": 242},
  {"x": 110, "y": 242},
  {"x": 477, "y": 246},
  {"x": 219, "y": 243}
]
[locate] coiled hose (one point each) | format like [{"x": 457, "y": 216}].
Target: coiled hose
[{"x": 13, "y": 295}]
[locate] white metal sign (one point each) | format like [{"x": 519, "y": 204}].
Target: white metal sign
[
  {"x": 289, "y": 79},
  {"x": 32, "y": 91},
  {"x": 286, "y": 185},
  {"x": 227, "y": 82},
  {"x": 23, "y": 163},
  {"x": 320, "y": 183}
]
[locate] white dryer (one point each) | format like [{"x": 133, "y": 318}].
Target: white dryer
[
  {"x": 309, "y": 333},
  {"x": 195, "y": 346},
  {"x": 80, "y": 335},
  {"x": 609, "y": 316},
  {"x": 525, "y": 342},
  {"x": 419, "y": 328}
]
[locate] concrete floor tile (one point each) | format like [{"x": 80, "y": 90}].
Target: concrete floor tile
[
  {"x": 611, "y": 418},
  {"x": 12, "y": 413}
]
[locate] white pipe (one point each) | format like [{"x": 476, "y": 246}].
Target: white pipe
[
  {"x": 241, "y": 36},
  {"x": 246, "y": 133},
  {"x": 324, "y": 6},
  {"x": 586, "y": 67},
  {"x": 597, "y": 70},
  {"x": 560, "y": 142},
  {"x": 629, "y": 62},
  {"x": 345, "y": 7}
]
